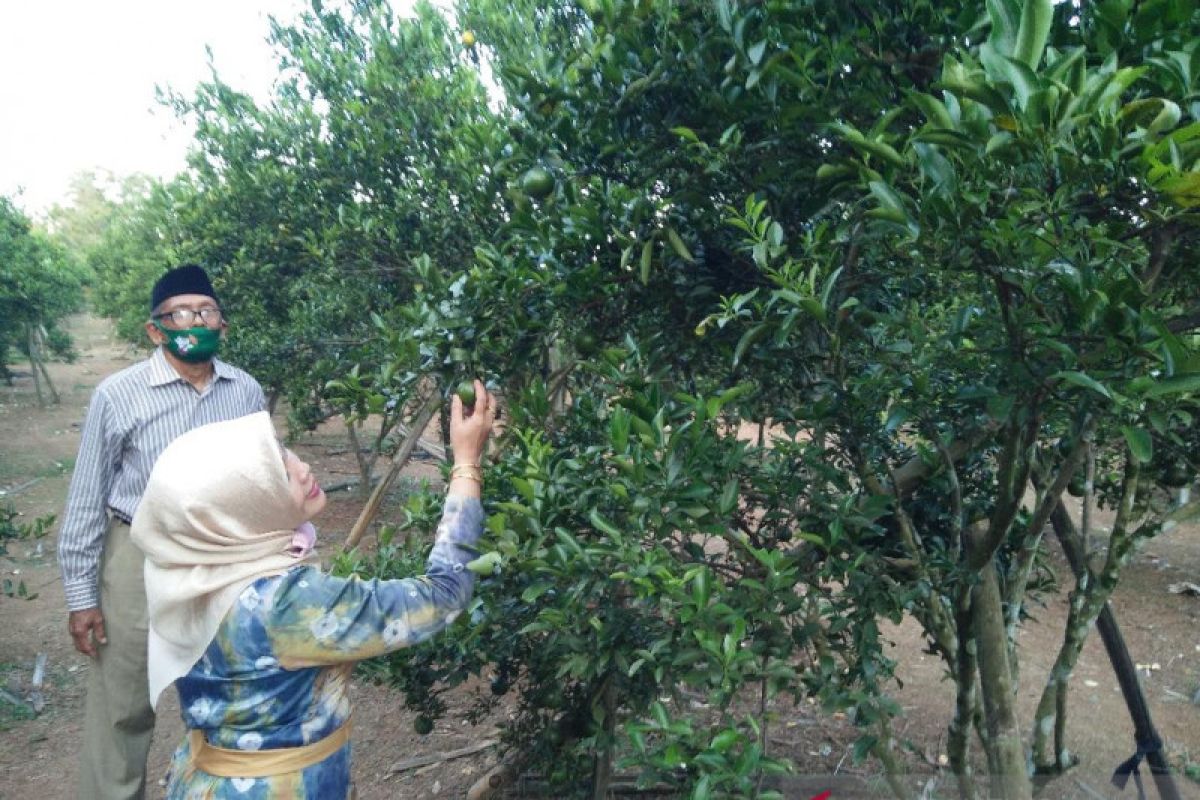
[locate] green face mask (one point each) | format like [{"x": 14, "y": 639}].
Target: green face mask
[{"x": 192, "y": 344}]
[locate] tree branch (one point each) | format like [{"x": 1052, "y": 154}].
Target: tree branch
[{"x": 1189, "y": 321}]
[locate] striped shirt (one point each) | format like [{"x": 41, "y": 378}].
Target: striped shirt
[{"x": 133, "y": 415}]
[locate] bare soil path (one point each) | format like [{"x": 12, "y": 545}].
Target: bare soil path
[{"x": 37, "y": 755}]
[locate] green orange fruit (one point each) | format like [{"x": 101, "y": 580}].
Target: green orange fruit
[
  {"x": 537, "y": 182},
  {"x": 586, "y": 344},
  {"x": 486, "y": 564},
  {"x": 466, "y": 393}
]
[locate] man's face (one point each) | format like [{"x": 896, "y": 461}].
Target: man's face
[{"x": 185, "y": 311}]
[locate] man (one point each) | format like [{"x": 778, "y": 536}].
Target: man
[{"x": 133, "y": 415}]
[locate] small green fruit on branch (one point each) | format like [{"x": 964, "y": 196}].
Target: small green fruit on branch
[
  {"x": 486, "y": 564},
  {"x": 466, "y": 393}
]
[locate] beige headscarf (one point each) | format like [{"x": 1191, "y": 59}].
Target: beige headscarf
[{"x": 217, "y": 514}]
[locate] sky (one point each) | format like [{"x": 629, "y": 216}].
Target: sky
[{"x": 78, "y": 77}]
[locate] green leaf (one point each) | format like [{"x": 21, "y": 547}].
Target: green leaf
[
  {"x": 998, "y": 142},
  {"x": 603, "y": 525},
  {"x": 535, "y": 591},
  {"x": 644, "y": 266},
  {"x": 828, "y": 287},
  {"x": 1022, "y": 78},
  {"x": 755, "y": 52},
  {"x": 896, "y": 417},
  {"x": 887, "y": 196},
  {"x": 701, "y": 587},
  {"x": 1166, "y": 119},
  {"x": 1085, "y": 381},
  {"x": 1063, "y": 69},
  {"x": 887, "y": 215},
  {"x": 1140, "y": 443},
  {"x": 678, "y": 246},
  {"x": 1036, "y": 17},
  {"x": 1006, "y": 20},
  {"x": 1179, "y": 384},
  {"x": 729, "y": 496},
  {"x": 974, "y": 88},
  {"x": 861, "y": 143},
  {"x": 934, "y": 110},
  {"x": 748, "y": 338},
  {"x": 725, "y": 14},
  {"x": 1184, "y": 190},
  {"x": 725, "y": 740},
  {"x": 814, "y": 307},
  {"x": 945, "y": 137},
  {"x": 685, "y": 133}
]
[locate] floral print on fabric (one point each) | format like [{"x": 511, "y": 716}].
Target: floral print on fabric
[{"x": 277, "y": 673}]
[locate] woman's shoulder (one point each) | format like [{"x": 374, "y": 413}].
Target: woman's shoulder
[
  {"x": 261, "y": 595},
  {"x": 301, "y": 585}
]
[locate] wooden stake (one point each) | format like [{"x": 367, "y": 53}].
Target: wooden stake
[
  {"x": 437, "y": 758},
  {"x": 371, "y": 509}
]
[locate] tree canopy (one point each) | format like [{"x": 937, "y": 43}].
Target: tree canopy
[{"x": 936, "y": 259}]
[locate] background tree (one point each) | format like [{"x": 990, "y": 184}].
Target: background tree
[
  {"x": 40, "y": 283},
  {"x": 92, "y": 198}
]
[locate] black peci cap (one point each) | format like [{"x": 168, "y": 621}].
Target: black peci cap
[{"x": 188, "y": 279}]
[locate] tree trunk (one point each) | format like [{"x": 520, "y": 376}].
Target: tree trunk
[
  {"x": 40, "y": 342},
  {"x": 365, "y": 467},
  {"x": 893, "y": 773},
  {"x": 1050, "y": 756},
  {"x": 965, "y": 666},
  {"x": 995, "y": 679},
  {"x": 602, "y": 760},
  {"x": 31, "y": 351}
]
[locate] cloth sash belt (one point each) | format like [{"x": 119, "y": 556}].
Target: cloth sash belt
[{"x": 226, "y": 763}]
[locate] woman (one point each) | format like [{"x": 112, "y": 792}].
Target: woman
[{"x": 259, "y": 642}]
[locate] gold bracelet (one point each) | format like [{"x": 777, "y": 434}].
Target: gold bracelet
[{"x": 468, "y": 471}]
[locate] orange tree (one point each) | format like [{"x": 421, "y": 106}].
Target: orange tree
[
  {"x": 953, "y": 269},
  {"x": 926, "y": 255}
]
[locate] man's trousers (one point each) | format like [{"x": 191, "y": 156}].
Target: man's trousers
[{"x": 119, "y": 721}]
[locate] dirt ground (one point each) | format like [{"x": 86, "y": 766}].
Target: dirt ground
[{"x": 37, "y": 451}]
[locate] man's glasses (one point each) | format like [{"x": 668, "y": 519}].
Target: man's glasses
[{"x": 185, "y": 317}]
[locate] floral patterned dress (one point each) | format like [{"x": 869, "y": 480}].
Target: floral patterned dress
[{"x": 278, "y": 670}]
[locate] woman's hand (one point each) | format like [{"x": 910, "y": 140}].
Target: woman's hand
[{"x": 469, "y": 431}]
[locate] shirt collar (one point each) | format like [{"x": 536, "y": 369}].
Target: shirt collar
[{"x": 162, "y": 373}]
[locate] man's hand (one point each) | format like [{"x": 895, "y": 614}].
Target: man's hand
[{"x": 87, "y": 630}]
